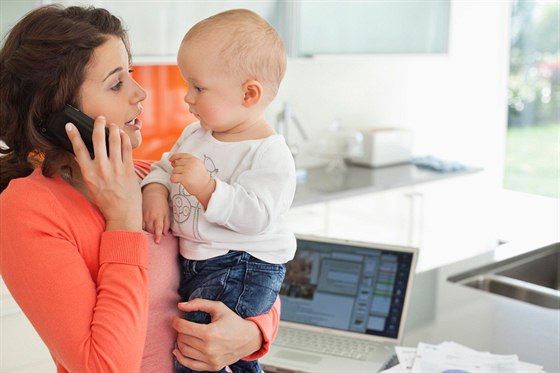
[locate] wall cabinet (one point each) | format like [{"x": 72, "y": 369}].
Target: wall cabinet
[{"x": 366, "y": 27}]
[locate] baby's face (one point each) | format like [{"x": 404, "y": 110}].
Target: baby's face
[{"x": 214, "y": 95}]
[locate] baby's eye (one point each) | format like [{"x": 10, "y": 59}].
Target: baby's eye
[{"x": 198, "y": 89}]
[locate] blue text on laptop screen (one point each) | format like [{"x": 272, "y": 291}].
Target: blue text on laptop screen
[{"x": 346, "y": 287}]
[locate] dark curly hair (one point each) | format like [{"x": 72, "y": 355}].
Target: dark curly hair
[{"x": 43, "y": 64}]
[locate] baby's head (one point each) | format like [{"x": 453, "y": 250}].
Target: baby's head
[{"x": 247, "y": 45}]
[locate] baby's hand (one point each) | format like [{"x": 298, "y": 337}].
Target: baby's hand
[
  {"x": 191, "y": 173},
  {"x": 155, "y": 210}
]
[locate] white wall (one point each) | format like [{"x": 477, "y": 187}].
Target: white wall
[
  {"x": 12, "y": 10},
  {"x": 455, "y": 103}
]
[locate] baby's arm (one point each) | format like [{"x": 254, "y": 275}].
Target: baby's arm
[
  {"x": 251, "y": 203},
  {"x": 155, "y": 209},
  {"x": 155, "y": 191}
]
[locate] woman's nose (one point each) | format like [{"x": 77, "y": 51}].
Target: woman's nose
[{"x": 140, "y": 93}]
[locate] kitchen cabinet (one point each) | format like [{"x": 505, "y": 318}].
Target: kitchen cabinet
[
  {"x": 446, "y": 219},
  {"x": 455, "y": 221},
  {"x": 156, "y": 28}
]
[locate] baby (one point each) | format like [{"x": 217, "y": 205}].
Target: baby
[{"x": 230, "y": 179}]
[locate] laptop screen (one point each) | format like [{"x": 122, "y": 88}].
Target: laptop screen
[{"x": 349, "y": 286}]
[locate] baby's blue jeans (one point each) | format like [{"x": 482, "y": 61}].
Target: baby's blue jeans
[{"x": 245, "y": 284}]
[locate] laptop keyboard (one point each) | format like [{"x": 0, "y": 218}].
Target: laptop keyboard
[{"x": 324, "y": 343}]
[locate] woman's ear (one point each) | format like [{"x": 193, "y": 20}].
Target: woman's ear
[{"x": 253, "y": 91}]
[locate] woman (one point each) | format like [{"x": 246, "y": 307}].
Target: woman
[{"x": 73, "y": 253}]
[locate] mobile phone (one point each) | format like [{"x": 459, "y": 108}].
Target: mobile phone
[{"x": 53, "y": 128}]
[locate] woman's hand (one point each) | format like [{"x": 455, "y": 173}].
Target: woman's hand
[
  {"x": 110, "y": 181},
  {"x": 213, "y": 346}
]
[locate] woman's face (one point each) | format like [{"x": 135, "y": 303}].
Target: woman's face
[{"x": 109, "y": 89}]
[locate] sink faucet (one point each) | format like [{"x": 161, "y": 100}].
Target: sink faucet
[{"x": 283, "y": 126}]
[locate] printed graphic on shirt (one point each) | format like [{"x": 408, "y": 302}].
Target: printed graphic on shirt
[
  {"x": 210, "y": 166},
  {"x": 186, "y": 208}
]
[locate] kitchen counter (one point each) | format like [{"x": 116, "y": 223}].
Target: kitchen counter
[
  {"x": 321, "y": 185},
  {"x": 445, "y": 311}
]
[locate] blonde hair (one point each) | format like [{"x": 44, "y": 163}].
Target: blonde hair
[{"x": 248, "y": 45}]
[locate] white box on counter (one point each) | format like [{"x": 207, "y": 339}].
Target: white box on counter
[{"x": 384, "y": 147}]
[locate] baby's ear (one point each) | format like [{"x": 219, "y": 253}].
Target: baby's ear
[{"x": 253, "y": 91}]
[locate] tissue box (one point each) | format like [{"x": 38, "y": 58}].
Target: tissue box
[{"x": 384, "y": 146}]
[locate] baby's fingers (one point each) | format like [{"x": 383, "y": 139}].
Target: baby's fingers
[
  {"x": 157, "y": 234},
  {"x": 158, "y": 229}
]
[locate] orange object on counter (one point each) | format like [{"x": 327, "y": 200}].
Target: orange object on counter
[{"x": 165, "y": 114}]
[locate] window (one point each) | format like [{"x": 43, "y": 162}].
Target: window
[{"x": 533, "y": 136}]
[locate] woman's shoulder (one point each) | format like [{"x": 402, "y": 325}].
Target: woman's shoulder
[
  {"x": 33, "y": 190},
  {"x": 37, "y": 196},
  {"x": 39, "y": 206}
]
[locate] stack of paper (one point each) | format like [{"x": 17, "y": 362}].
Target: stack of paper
[{"x": 456, "y": 358}]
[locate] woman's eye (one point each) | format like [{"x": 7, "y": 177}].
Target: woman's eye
[{"x": 117, "y": 86}]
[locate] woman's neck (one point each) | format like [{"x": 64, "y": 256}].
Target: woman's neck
[{"x": 73, "y": 176}]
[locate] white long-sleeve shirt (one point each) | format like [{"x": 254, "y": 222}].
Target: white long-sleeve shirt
[{"x": 255, "y": 186}]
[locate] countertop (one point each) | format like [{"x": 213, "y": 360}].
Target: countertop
[
  {"x": 321, "y": 185},
  {"x": 445, "y": 311}
]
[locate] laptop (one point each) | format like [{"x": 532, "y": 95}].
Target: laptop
[{"x": 344, "y": 305}]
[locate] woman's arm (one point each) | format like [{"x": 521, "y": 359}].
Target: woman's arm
[
  {"x": 81, "y": 279},
  {"x": 268, "y": 324},
  {"x": 227, "y": 339}
]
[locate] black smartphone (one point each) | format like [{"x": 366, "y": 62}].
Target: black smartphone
[{"x": 53, "y": 128}]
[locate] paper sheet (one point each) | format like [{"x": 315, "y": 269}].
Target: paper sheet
[{"x": 452, "y": 357}]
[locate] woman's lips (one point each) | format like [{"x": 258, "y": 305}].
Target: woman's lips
[{"x": 135, "y": 124}]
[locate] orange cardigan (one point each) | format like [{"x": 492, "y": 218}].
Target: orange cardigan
[{"x": 84, "y": 290}]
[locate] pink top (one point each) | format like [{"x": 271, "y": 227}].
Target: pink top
[{"x": 163, "y": 299}]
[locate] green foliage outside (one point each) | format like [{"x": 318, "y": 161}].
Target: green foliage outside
[{"x": 533, "y": 160}]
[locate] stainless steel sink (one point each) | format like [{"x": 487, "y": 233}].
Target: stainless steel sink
[{"x": 532, "y": 277}]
